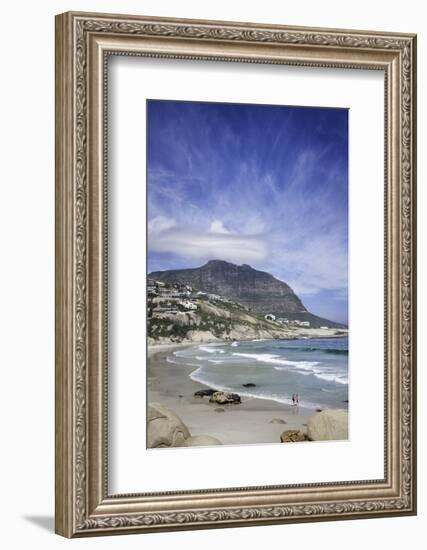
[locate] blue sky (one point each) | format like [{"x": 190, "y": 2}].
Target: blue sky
[{"x": 256, "y": 184}]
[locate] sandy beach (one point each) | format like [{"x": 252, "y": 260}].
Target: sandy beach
[{"x": 247, "y": 423}]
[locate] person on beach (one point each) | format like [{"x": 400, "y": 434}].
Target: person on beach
[
  {"x": 294, "y": 404},
  {"x": 296, "y": 399}
]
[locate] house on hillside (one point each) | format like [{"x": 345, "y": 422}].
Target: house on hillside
[
  {"x": 188, "y": 305},
  {"x": 270, "y": 317},
  {"x": 283, "y": 320}
]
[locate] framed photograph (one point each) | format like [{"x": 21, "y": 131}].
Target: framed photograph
[{"x": 235, "y": 274}]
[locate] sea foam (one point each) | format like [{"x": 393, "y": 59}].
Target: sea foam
[
  {"x": 210, "y": 349},
  {"x": 276, "y": 360}
]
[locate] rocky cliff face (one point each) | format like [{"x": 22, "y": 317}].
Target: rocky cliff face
[{"x": 258, "y": 290}]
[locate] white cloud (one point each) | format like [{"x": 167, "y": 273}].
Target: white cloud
[
  {"x": 218, "y": 227},
  {"x": 160, "y": 223},
  {"x": 217, "y": 243}
]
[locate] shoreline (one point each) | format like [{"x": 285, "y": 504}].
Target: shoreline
[
  {"x": 247, "y": 423},
  {"x": 303, "y": 334}
]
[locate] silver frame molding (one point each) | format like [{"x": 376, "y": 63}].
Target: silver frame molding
[{"x": 83, "y": 43}]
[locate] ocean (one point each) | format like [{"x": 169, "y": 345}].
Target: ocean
[{"x": 315, "y": 369}]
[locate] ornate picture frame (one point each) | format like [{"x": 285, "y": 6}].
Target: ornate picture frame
[{"x": 84, "y": 42}]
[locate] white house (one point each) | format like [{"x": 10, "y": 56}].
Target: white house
[
  {"x": 188, "y": 305},
  {"x": 304, "y": 323},
  {"x": 270, "y": 317}
]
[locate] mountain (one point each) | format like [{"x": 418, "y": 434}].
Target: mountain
[
  {"x": 255, "y": 289},
  {"x": 258, "y": 290}
]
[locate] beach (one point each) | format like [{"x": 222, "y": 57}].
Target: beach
[{"x": 247, "y": 423}]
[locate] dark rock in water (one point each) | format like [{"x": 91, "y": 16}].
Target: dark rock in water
[
  {"x": 219, "y": 410},
  {"x": 204, "y": 393},
  {"x": 318, "y": 410},
  {"x": 249, "y": 385},
  {"x": 180, "y": 395},
  {"x": 292, "y": 436},
  {"x": 277, "y": 421},
  {"x": 345, "y": 401},
  {"x": 225, "y": 398}
]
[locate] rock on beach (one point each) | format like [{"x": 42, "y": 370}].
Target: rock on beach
[
  {"x": 293, "y": 436},
  {"x": 166, "y": 429},
  {"x": 225, "y": 398},
  {"x": 328, "y": 425}
]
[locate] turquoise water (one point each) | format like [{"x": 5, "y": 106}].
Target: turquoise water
[{"x": 316, "y": 369}]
